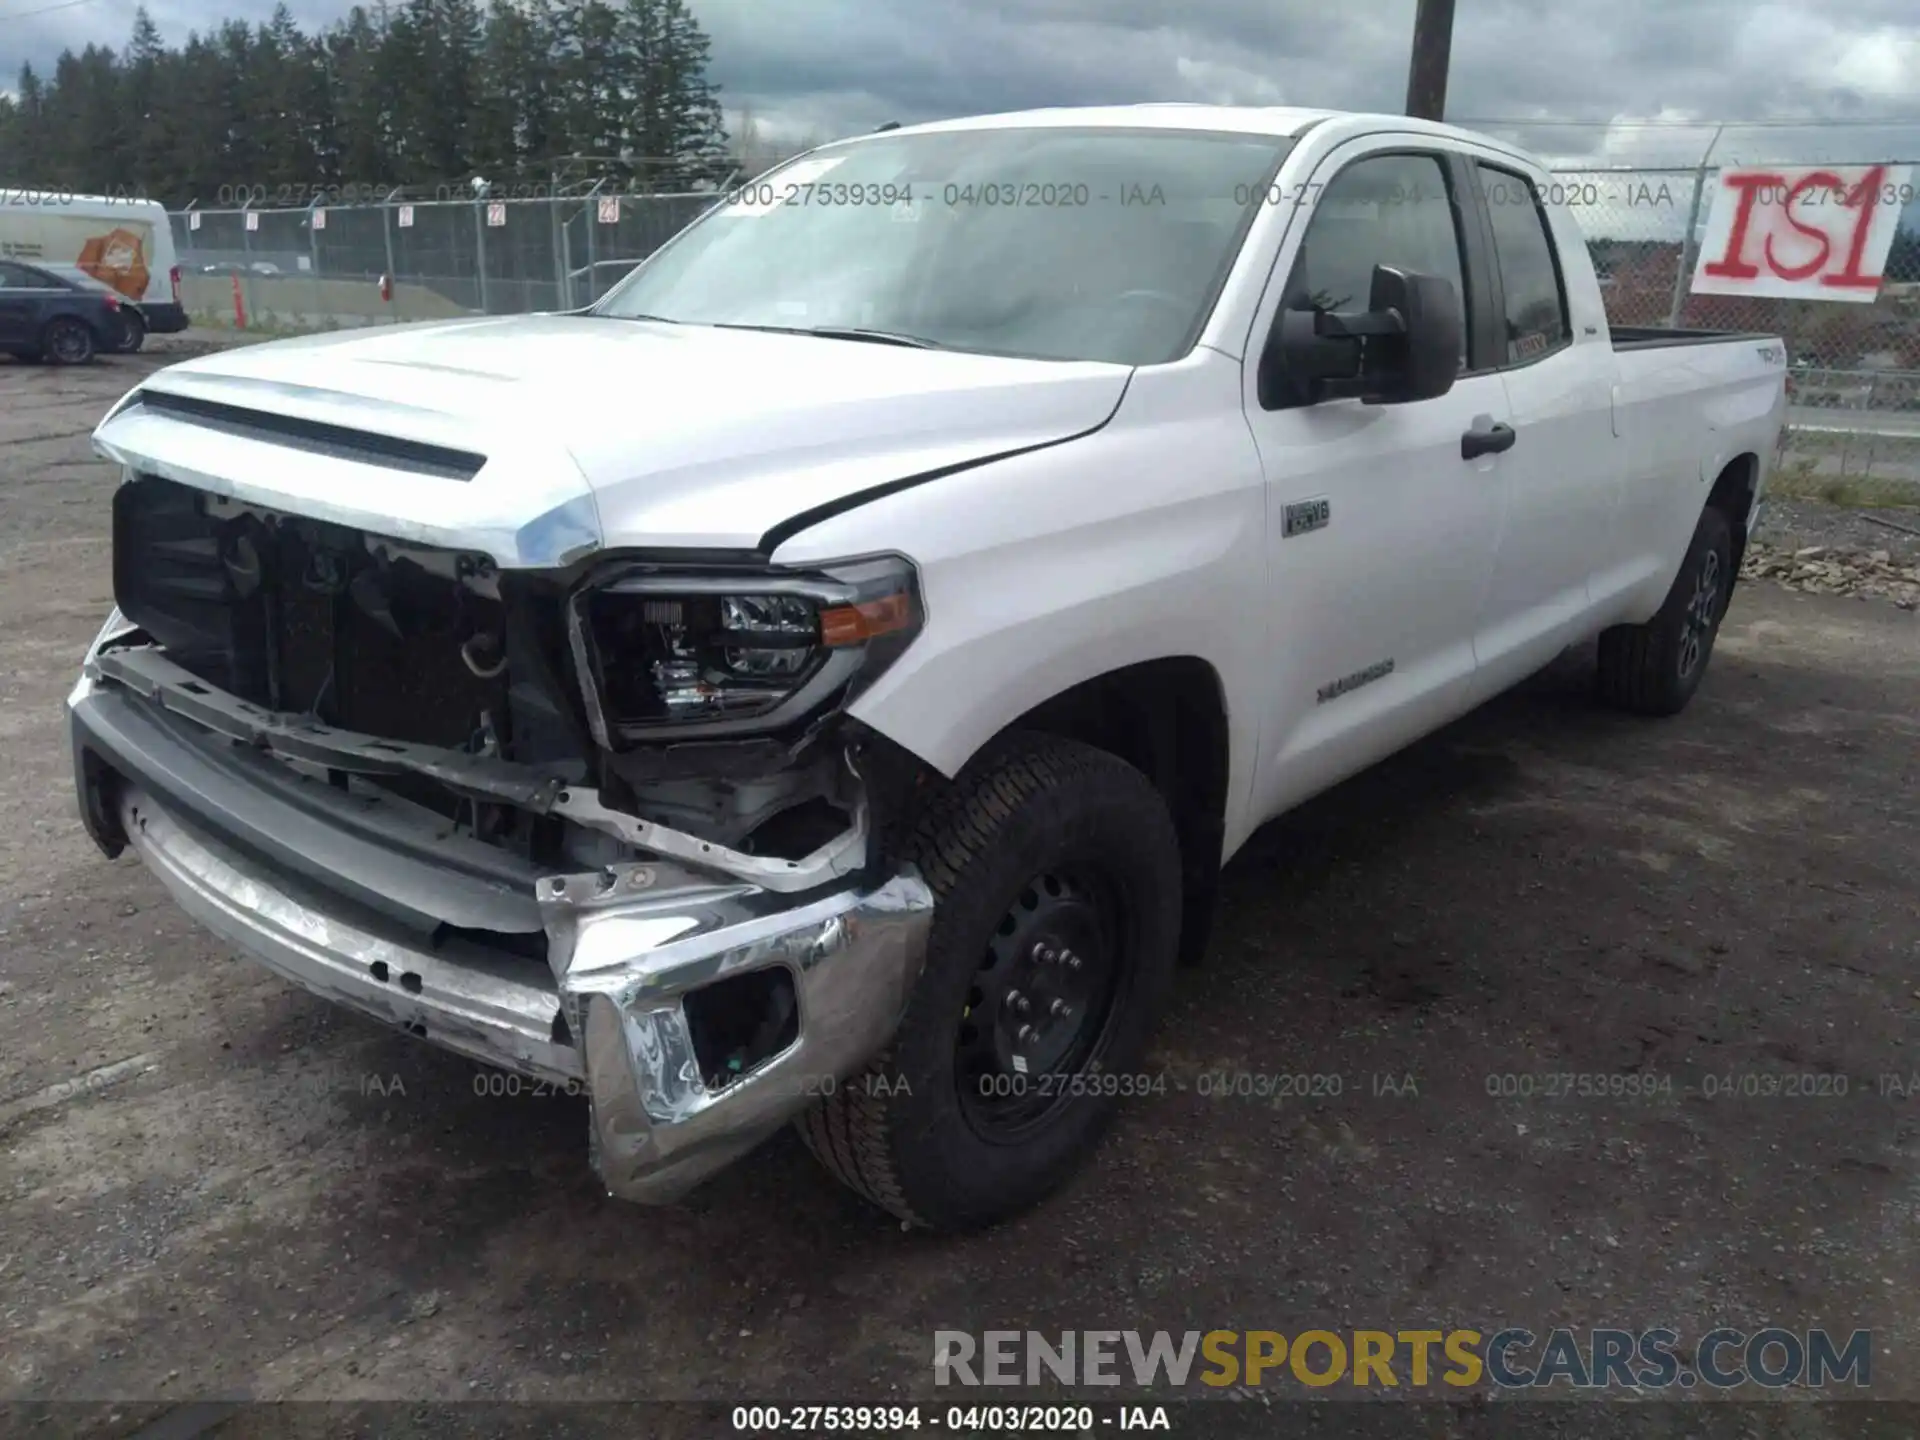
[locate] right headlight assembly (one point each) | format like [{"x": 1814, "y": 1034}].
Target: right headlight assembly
[{"x": 666, "y": 653}]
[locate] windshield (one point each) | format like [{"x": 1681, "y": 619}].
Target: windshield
[{"x": 1052, "y": 243}]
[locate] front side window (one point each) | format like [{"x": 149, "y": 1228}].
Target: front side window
[
  {"x": 1046, "y": 242},
  {"x": 1536, "y": 318},
  {"x": 1395, "y": 210}
]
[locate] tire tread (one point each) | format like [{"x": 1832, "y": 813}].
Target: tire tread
[
  {"x": 848, "y": 1131},
  {"x": 1636, "y": 666}
]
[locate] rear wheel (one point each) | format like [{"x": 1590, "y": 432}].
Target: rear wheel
[
  {"x": 1653, "y": 669},
  {"x": 67, "y": 341},
  {"x": 133, "y": 333},
  {"x": 1056, "y": 874}
]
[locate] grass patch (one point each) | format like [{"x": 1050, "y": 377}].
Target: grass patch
[{"x": 1799, "y": 480}]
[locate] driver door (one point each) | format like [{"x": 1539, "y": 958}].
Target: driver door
[{"x": 1381, "y": 532}]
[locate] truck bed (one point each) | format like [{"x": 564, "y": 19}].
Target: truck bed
[{"x": 1657, "y": 337}]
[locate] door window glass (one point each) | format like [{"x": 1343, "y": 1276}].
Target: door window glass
[
  {"x": 1536, "y": 318},
  {"x": 1385, "y": 210}
]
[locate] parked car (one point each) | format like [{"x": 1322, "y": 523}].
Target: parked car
[
  {"x": 133, "y": 318},
  {"x": 821, "y": 681},
  {"x": 43, "y": 317},
  {"x": 125, "y": 243}
]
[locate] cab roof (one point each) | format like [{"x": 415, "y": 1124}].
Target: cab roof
[
  {"x": 1279, "y": 121},
  {"x": 1170, "y": 115}
]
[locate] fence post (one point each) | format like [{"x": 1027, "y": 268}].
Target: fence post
[
  {"x": 1873, "y": 435},
  {"x": 313, "y": 260},
  {"x": 189, "y": 241},
  {"x": 590, "y": 217},
  {"x": 386, "y": 234},
  {"x": 1684, "y": 275},
  {"x": 593, "y": 255},
  {"x": 480, "y": 242},
  {"x": 246, "y": 265}
]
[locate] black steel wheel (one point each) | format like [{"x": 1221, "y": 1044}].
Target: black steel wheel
[
  {"x": 1057, "y": 878},
  {"x": 1041, "y": 1006}
]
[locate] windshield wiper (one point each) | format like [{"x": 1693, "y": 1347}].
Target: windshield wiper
[
  {"x": 877, "y": 337},
  {"x": 837, "y": 332}
]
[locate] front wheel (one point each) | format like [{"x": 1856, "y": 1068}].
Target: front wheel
[
  {"x": 1653, "y": 669},
  {"x": 1056, "y": 875}
]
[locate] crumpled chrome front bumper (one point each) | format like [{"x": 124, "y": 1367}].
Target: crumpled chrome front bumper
[
  {"x": 285, "y": 873},
  {"x": 626, "y": 961}
]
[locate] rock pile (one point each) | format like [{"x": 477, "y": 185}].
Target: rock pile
[{"x": 1820, "y": 570}]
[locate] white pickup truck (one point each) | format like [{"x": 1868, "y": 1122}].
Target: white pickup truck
[{"x": 821, "y": 681}]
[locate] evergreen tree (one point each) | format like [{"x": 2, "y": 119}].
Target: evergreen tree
[
  {"x": 361, "y": 104},
  {"x": 26, "y": 149},
  {"x": 150, "y": 146},
  {"x": 416, "y": 93},
  {"x": 695, "y": 133},
  {"x": 194, "y": 93}
]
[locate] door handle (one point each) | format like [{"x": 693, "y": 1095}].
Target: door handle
[{"x": 1486, "y": 440}]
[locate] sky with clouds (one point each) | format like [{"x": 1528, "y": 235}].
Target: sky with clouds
[{"x": 820, "y": 68}]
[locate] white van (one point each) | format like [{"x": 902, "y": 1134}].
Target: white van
[{"x": 126, "y": 244}]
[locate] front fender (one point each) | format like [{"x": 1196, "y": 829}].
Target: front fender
[
  {"x": 1010, "y": 629},
  {"x": 1039, "y": 572}
]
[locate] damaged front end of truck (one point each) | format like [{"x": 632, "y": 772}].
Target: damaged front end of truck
[{"x": 591, "y": 815}]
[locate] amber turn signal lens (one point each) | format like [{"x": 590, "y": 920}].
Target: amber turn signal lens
[{"x": 864, "y": 620}]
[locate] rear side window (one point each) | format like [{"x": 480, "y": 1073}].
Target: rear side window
[
  {"x": 1536, "y": 319},
  {"x": 25, "y": 277}
]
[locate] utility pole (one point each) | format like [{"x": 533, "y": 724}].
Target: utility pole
[{"x": 1432, "y": 49}]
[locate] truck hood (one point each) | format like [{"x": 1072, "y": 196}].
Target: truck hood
[{"x": 541, "y": 439}]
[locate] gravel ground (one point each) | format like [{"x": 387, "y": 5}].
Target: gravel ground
[
  {"x": 214, "y": 1185},
  {"x": 1790, "y": 525}
]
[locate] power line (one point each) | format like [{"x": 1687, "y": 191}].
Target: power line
[{"x": 45, "y": 10}]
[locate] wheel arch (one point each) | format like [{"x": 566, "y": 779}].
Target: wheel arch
[
  {"x": 1168, "y": 718},
  {"x": 1733, "y": 494}
]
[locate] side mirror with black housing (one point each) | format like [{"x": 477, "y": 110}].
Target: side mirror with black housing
[{"x": 1404, "y": 346}]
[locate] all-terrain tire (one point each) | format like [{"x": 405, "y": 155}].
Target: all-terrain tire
[
  {"x": 1654, "y": 668},
  {"x": 1033, "y": 807}
]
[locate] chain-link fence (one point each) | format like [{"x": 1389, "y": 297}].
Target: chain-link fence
[
  {"x": 320, "y": 267},
  {"x": 1643, "y": 229},
  {"x": 1854, "y": 368}
]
